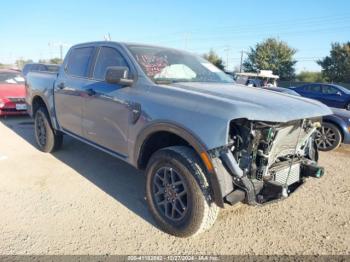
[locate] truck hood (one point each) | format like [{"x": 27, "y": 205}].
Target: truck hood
[
  {"x": 12, "y": 90},
  {"x": 255, "y": 103}
]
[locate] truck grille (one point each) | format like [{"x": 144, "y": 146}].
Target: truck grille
[{"x": 281, "y": 175}]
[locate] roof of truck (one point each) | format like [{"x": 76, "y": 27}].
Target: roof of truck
[{"x": 261, "y": 73}]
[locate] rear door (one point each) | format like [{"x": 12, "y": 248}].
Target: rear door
[
  {"x": 106, "y": 111},
  {"x": 69, "y": 89},
  {"x": 313, "y": 91}
]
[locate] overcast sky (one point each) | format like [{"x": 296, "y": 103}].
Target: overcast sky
[{"x": 35, "y": 29}]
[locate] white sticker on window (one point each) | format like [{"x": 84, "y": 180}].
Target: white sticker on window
[{"x": 211, "y": 67}]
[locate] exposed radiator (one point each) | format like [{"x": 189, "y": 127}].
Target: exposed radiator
[{"x": 281, "y": 175}]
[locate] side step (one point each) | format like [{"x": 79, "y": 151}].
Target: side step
[{"x": 235, "y": 196}]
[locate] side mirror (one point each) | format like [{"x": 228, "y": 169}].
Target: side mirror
[
  {"x": 118, "y": 75},
  {"x": 339, "y": 93}
]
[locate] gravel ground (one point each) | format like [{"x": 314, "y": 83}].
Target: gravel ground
[{"x": 83, "y": 201}]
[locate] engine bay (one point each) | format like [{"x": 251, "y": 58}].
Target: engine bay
[{"x": 268, "y": 161}]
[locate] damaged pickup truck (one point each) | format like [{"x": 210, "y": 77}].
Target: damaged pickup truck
[{"x": 202, "y": 140}]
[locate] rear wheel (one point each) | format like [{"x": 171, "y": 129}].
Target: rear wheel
[
  {"x": 328, "y": 137},
  {"x": 46, "y": 138},
  {"x": 178, "y": 192}
]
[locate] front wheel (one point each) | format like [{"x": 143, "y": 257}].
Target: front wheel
[
  {"x": 46, "y": 138},
  {"x": 328, "y": 137},
  {"x": 178, "y": 192}
]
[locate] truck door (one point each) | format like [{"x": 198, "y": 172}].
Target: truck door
[
  {"x": 106, "y": 111},
  {"x": 69, "y": 89}
]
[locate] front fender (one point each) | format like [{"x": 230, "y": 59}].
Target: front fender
[{"x": 212, "y": 175}]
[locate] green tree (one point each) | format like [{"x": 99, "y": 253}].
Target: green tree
[
  {"x": 21, "y": 62},
  {"x": 336, "y": 66},
  {"x": 307, "y": 76},
  {"x": 213, "y": 58},
  {"x": 43, "y": 61},
  {"x": 56, "y": 61},
  {"x": 274, "y": 55}
]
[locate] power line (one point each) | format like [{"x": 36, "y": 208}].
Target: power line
[{"x": 329, "y": 19}]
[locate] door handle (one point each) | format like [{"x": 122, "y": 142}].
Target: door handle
[
  {"x": 91, "y": 92},
  {"x": 61, "y": 85}
]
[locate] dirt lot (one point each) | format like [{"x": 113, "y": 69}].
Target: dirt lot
[{"x": 82, "y": 201}]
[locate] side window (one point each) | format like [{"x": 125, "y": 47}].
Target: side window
[
  {"x": 306, "y": 88},
  {"x": 329, "y": 90},
  {"x": 35, "y": 68},
  {"x": 78, "y": 61},
  {"x": 107, "y": 57},
  {"x": 42, "y": 68},
  {"x": 313, "y": 88}
]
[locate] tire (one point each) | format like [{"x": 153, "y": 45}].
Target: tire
[
  {"x": 328, "y": 137},
  {"x": 46, "y": 138},
  {"x": 195, "y": 211}
]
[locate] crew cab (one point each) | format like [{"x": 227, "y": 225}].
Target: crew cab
[{"x": 174, "y": 115}]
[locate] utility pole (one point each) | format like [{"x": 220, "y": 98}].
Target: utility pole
[
  {"x": 108, "y": 37},
  {"x": 61, "y": 52},
  {"x": 227, "y": 50},
  {"x": 240, "y": 67},
  {"x": 60, "y": 45},
  {"x": 186, "y": 39}
]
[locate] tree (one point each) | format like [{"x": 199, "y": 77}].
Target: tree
[
  {"x": 213, "y": 58},
  {"x": 274, "y": 55},
  {"x": 307, "y": 76},
  {"x": 336, "y": 66},
  {"x": 21, "y": 62},
  {"x": 55, "y": 61}
]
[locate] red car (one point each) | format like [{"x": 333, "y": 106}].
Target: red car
[{"x": 12, "y": 93}]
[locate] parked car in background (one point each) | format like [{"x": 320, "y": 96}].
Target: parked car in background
[
  {"x": 281, "y": 90},
  {"x": 335, "y": 130},
  {"x": 329, "y": 94},
  {"x": 38, "y": 67},
  {"x": 12, "y": 93}
]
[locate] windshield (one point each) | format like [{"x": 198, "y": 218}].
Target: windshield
[
  {"x": 11, "y": 78},
  {"x": 164, "y": 65}
]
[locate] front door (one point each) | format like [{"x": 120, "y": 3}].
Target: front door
[
  {"x": 332, "y": 96},
  {"x": 106, "y": 110}
]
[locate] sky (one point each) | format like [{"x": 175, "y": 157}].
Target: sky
[{"x": 35, "y": 29}]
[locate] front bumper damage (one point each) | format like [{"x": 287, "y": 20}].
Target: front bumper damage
[{"x": 266, "y": 162}]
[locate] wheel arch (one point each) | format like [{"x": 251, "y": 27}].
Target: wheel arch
[
  {"x": 181, "y": 135},
  {"x": 36, "y": 103}
]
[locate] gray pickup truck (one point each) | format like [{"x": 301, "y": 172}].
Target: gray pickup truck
[{"x": 202, "y": 140}]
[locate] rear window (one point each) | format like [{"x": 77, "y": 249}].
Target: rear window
[
  {"x": 79, "y": 60},
  {"x": 11, "y": 78}
]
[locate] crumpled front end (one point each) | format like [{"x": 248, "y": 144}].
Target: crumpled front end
[{"x": 266, "y": 161}]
